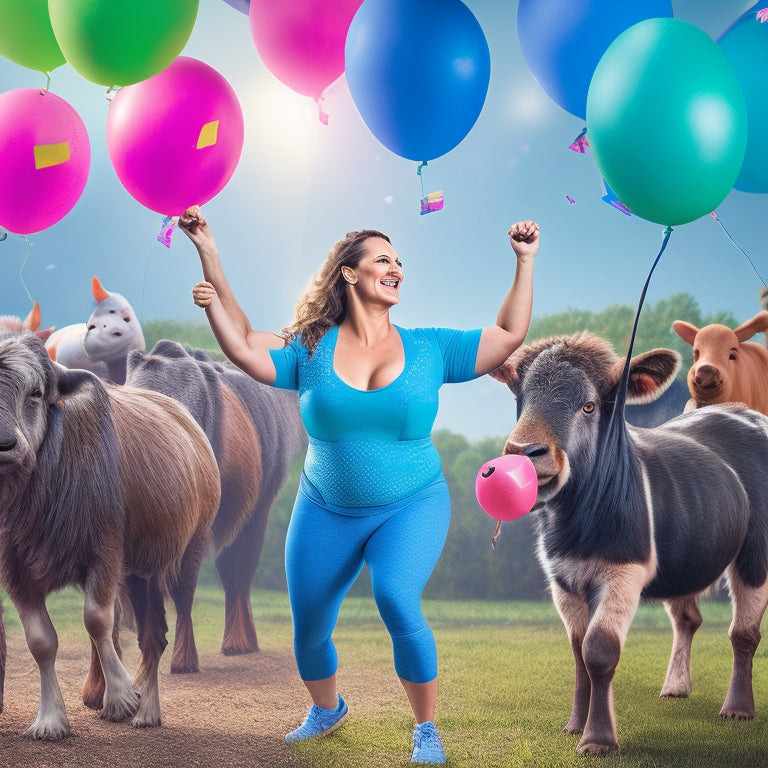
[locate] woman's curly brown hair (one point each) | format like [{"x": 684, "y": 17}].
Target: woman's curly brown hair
[{"x": 324, "y": 302}]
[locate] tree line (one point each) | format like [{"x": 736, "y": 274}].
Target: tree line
[{"x": 469, "y": 567}]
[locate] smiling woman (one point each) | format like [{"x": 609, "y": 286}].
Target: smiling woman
[{"x": 372, "y": 491}]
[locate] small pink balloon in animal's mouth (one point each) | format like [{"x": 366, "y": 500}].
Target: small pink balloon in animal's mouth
[{"x": 506, "y": 487}]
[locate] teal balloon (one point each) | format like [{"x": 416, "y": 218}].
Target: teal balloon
[
  {"x": 667, "y": 121},
  {"x": 745, "y": 44}
]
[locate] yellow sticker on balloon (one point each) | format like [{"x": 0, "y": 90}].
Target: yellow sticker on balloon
[
  {"x": 47, "y": 155},
  {"x": 209, "y": 134}
]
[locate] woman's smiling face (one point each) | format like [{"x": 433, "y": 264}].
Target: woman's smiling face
[{"x": 379, "y": 273}]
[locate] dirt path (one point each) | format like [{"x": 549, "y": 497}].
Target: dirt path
[{"x": 235, "y": 713}]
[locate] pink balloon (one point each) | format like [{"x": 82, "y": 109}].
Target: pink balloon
[
  {"x": 175, "y": 139},
  {"x": 45, "y": 156},
  {"x": 506, "y": 487},
  {"x": 301, "y": 42}
]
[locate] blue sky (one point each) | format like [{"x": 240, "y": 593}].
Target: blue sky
[{"x": 300, "y": 185}]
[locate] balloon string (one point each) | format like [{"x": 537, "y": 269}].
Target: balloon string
[
  {"x": 624, "y": 382},
  {"x": 144, "y": 286},
  {"x": 21, "y": 271},
  {"x": 728, "y": 235},
  {"x": 418, "y": 173}
]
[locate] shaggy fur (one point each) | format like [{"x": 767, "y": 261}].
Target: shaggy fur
[
  {"x": 98, "y": 484},
  {"x": 625, "y": 514}
]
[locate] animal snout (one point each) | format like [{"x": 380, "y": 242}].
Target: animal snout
[
  {"x": 706, "y": 376},
  {"x": 531, "y": 450}
]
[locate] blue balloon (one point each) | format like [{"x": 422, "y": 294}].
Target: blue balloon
[
  {"x": 418, "y": 72},
  {"x": 240, "y": 5},
  {"x": 745, "y": 45},
  {"x": 562, "y": 41}
]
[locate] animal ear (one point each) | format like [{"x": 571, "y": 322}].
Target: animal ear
[
  {"x": 686, "y": 331},
  {"x": 506, "y": 373},
  {"x": 651, "y": 374},
  {"x": 33, "y": 319},
  {"x": 44, "y": 333},
  {"x": 72, "y": 381},
  {"x": 758, "y": 324},
  {"x": 169, "y": 348},
  {"x": 99, "y": 293}
]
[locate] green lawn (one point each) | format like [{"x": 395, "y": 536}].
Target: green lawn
[{"x": 506, "y": 686}]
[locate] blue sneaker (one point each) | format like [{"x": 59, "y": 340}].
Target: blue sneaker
[
  {"x": 319, "y": 722},
  {"x": 427, "y": 747}
]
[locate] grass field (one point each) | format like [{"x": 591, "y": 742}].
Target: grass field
[{"x": 506, "y": 686}]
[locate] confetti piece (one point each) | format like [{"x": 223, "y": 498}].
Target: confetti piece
[
  {"x": 762, "y": 15},
  {"x": 3, "y": 235},
  {"x": 209, "y": 134},
  {"x": 47, "y": 155},
  {"x": 610, "y": 198},
  {"x": 580, "y": 143},
  {"x": 166, "y": 231},
  {"x": 432, "y": 202},
  {"x": 570, "y": 199}
]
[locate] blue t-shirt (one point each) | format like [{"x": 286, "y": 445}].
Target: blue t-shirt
[{"x": 373, "y": 447}]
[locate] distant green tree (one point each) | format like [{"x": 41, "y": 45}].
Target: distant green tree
[
  {"x": 614, "y": 324},
  {"x": 194, "y": 333}
]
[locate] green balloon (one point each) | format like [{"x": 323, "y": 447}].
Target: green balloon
[
  {"x": 121, "y": 42},
  {"x": 26, "y": 35},
  {"x": 667, "y": 121}
]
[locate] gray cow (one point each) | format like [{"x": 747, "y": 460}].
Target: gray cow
[{"x": 626, "y": 513}]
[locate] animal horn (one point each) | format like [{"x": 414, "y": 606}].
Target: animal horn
[
  {"x": 33, "y": 319},
  {"x": 99, "y": 292}
]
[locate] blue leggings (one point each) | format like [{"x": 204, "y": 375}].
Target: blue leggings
[{"x": 325, "y": 549}]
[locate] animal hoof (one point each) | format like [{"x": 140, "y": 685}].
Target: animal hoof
[
  {"x": 670, "y": 694},
  {"x": 144, "y": 722},
  {"x": 729, "y": 715},
  {"x": 122, "y": 708},
  {"x": 93, "y": 701},
  {"x": 596, "y": 750},
  {"x": 47, "y": 732},
  {"x": 185, "y": 669}
]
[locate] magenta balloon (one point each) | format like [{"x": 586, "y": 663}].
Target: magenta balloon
[
  {"x": 45, "y": 156},
  {"x": 506, "y": 487},
  {"x": 301, "y": 42},
  {"x": 175, "y": 139}
]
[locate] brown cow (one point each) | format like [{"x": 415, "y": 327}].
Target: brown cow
[
  {"x": 726, "y": 367},
  {"x": 99, "y": 485}
]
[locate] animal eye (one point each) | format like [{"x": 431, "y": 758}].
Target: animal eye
[
  {"x": 36, "y": 394},
  {"x": 695, "y": 355},
  {"x": 588, "y": 407},
  {"x": 732, "y": 356},
  {"x": 126, "y": 319}
]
